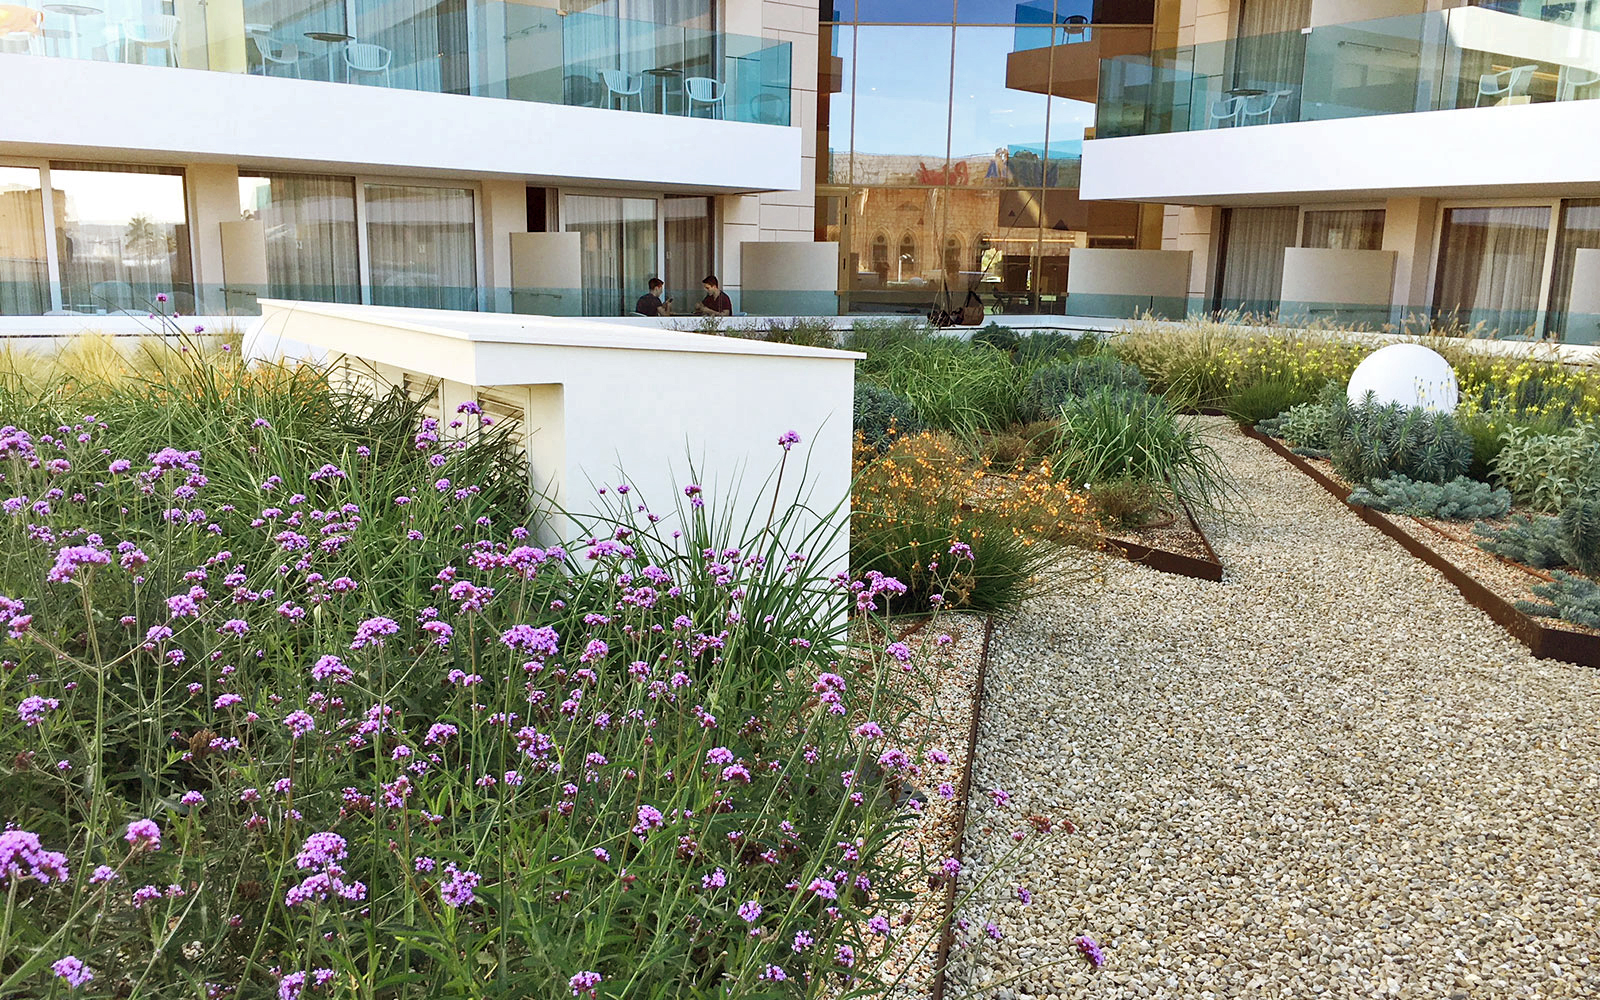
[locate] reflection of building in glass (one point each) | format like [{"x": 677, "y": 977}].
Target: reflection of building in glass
[{"x": 949, "y": 147}]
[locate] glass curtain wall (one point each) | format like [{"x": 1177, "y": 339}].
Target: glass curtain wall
[
  {"x": 422, "y": 246},
  {"x": 952, "y": 160},
  {"x": 618, "y": 251},
  {"x": 1343, "y": 229},
  {"x": 122, "y": 237},
  {"x": 24, "y": 269},
  {"x": 309, "y": 224},
  {"x": 1253, "y": 241},
  {"x": 1491, "y": 266}
]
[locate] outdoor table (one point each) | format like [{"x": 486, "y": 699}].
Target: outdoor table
[
  {"x": 333, "y": 38},
  {"x": 74, "y": 11},
  {"x": 663, "y": 73}
]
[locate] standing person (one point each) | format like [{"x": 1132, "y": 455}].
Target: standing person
[
  {"x": 651, "y": 303},
  {"x": 716, "y": 302}
]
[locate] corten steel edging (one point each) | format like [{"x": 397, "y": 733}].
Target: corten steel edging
[
  {"x": 947, "y": 933},
  {"x": 1542, "y": 640},
  {"x": 1178, "y": 563}
]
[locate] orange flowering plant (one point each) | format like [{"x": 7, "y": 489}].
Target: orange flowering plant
[{"x": 957, "y": 533}]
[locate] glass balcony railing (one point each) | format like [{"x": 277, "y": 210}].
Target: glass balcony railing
[
  {"x": 1500, "y": 54},
  {"x": 487, "y": 49}
]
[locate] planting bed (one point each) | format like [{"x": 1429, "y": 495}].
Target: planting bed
[
  {"x": 1492, "y": 584},
  {"x": 1180, "y": 548}
]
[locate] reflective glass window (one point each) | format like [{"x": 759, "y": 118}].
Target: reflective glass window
[
  {"x": 24, "y": 277},
  {"x": 122, "y": 236},
  {"x": 1491, "y": 266},
  {"x": 905, "y": 11},
  {"x": 902, "y": 105}
]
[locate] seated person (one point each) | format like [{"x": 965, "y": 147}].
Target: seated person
[
  {"x": 716, "y": 302},
  {"x": 651, "y": 303}
]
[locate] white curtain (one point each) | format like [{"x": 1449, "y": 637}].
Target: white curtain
[
  {"x": 598, "y": 222},
  {"x": 1269, "y": 53},
  {"x": 421, "y": 245},
  {"x": 1252, "y": 258},
  {"x": 1344, "y": 229},
  {"x": 426, "y": 39},
  {"x": 122, "y": 237},
  {"x": 310, "y": 227},
  {"x": 1491, "y": 266},
  {"x": 689, "y": 251},
  {"x": 24, "y": 280}
]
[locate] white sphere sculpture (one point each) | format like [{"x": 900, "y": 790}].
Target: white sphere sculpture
[{"x": 1408, "y": 374}]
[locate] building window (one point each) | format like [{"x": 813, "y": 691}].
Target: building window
[
  {"x": 1250, "y": 279},
  {"x": 1343, "y": 229},
  {"x": 952, "y": 257},
  {"x": 422, "y": 246},
  {"x": 122, "y": 236},
  {"x": 309, "y": 225},
  {"x": 617, "y": 252},
  {"x": 24, "y": 274},
  {"x": 906, "y": 267},
  {"x": 1491, "y": 266}
]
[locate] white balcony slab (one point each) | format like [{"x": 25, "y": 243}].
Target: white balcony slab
[
  {"x": 1508, "y": 151},
  {"x": 88, "y": 109}
]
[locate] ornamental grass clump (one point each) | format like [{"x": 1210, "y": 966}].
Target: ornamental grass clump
[
  {"x": 957, "y": 535},
  {"x": 1115, "y": 436},
  {"x": 298, "y": 704}
]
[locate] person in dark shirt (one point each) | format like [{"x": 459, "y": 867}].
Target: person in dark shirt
[
  {"x": 651, "y": 303},
  {"x": 716, "y": 302}
]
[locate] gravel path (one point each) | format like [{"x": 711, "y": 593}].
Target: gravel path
[{"x": 1326, "y": 776}]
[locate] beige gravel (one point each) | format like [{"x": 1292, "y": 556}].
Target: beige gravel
[{"x": 1326, "y": 776}]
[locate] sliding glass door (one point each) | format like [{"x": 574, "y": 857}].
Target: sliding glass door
[
  {"x": 689, "y": 253},
  {"x": 309, "y": 224},
  {"x": 1253, "y": 245},
  {"x": 122, "y": 237},
  {"x": 422, "y": 246},
  {"x": 619, "y": 249},
  {"x": 1491, "y": 266}
]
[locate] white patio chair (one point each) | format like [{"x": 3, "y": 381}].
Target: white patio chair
[
  {"x": 1506, "y": 84},
  {"x": 158, "y": 31},
  {"x": 620, "y": 86},
  {"x": 704, "y": 90},
  {"x": 1261, "y": 108},
  {"x": 1577, "y": 84},
  {"x": 21, "y": 29},
  {"x": 276, "y": 53},
  {"x": 1224, "y": 112},
  {"x": 365, "y": 57}
]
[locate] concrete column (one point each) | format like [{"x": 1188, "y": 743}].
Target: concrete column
[
  {"x": 505, "y": 211},
  {"x": 213, "y": 199},
  {"x": 1197, "y": 229},
  {"x": 1408, "y": 227}
]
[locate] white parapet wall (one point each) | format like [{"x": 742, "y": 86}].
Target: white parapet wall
[
  {"x": 1341, "y": 285},
  {"x": 1111, "y": 282},
  {"x": 606, "y": 403}
]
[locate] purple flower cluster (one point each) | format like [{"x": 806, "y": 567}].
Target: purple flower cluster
[{"x": 23, "y": 858}]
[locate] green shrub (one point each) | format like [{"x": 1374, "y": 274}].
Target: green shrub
[
  {"x": 1041, "y": 347},
  {"x": 1373, "y": 441},
  {"x": 950, "y": 384},
  {"x": 1112, "y": 435},
  {"x": 1050, "y": 387},
  {"x": 1543, "y": 470},
  {"x": 1533, "y": 540},
  {"x": 1580, "y": 530},
  {"x": 1264, "y": 400},
  {"x": 872, "y": 337},
  {"x": 880, "y": 414},
  {"x": 1461, "y": 499},
  {"x": 1569, "y": 597},
  {"x": 999, "y": 337},
  {"x": 800, "y": 332}
]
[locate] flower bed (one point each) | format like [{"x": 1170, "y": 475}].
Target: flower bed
[
  {"x": 1494, "y": 586},
  {"x": 296, "y": 708}
]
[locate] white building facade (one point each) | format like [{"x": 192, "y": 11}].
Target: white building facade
[
  {"x": 1370, "y": 160},
  {"x": 469, "y": 154}
]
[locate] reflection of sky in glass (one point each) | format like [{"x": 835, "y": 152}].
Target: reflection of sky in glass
[
  {"x": 903, "y": 92},
  {"x": 96, "y": 197},
  {"x": 920, "y": 11}
]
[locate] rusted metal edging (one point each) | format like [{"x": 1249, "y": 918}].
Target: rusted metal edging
[
  {"x": 1179, "y": 563},
  {"x": 941, "y": 958},
  {"x": 1542, "y": 640}
]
